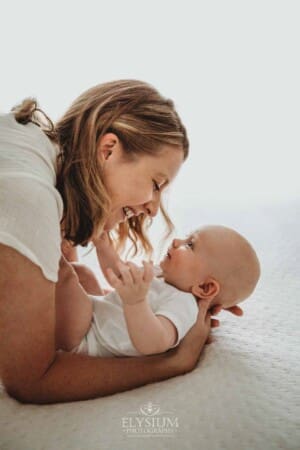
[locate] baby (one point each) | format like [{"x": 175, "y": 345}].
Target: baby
[{"x": 145, "y": 314}]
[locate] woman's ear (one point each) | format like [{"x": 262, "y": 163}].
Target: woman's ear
[
  {"x": 109, "y": 144},
  {"x": 209, "y": 289}
]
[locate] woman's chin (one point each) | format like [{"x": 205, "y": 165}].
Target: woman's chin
[{"x": 113, "y": 221}]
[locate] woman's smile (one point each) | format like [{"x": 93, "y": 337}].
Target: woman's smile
[{"x": 135, "y": 187}]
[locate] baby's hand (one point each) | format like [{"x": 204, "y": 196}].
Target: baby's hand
[{"x": 133, "y": 283}]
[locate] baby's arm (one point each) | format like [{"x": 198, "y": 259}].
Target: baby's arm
[
  {"x": 87, "y": 278},
  {"x": 149, "y": 333}
]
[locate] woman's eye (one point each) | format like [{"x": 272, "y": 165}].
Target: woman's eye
[
  {"x": 156, "y": 186},
  {"x": 189, "y": 244}
]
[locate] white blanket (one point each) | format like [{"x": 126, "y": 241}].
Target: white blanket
[{"x": 244, "y": 394}]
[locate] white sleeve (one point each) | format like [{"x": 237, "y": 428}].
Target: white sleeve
[
  {"x": 182, "y": 310},
  {"x": 30, "y": 213}
]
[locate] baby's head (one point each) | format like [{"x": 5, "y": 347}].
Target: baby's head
[{"x": 214, "y": 262}]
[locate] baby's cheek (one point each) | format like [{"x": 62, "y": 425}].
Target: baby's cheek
[
  {"x": 180, "y": 270},
  {"x": 180, "y": 262},
  {"x": 175, "y": 262}
]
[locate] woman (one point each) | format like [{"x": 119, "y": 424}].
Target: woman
[{"x": 103, "y": 166}]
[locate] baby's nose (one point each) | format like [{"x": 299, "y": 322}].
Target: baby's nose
[{"x": 176, "y": 243}]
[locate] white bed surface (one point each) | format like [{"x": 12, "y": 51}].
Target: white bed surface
[{"x": 244, "y": 394}]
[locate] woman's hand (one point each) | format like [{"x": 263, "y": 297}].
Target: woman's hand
[
  {"x": 189, "y": 350},
  {"x": 133, "y": 283},
  {"x": 214, "y": 310},
  {"x": 236, "y": 310}
]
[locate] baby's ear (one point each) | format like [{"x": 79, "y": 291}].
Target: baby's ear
[{"x": 207, "y": 290}]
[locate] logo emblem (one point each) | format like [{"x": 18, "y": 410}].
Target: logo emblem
[{"x": 150, "y": 409}]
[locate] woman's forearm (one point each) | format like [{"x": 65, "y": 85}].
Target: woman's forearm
[
  {"x": 146, "y": 332},
  {"x": 73, "y": 377},
  {"x": 108, "y": 257}
]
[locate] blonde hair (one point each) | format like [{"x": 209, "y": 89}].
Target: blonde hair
[{"x": 143, "y": 120}]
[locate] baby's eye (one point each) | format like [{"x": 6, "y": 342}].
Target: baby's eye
[
  {"x": 156, "y": 186},
  {"x": 189, "y": 244}
]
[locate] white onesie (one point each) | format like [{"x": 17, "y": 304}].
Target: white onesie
[{"x": 108, "y": 335}]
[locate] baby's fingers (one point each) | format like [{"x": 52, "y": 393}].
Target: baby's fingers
[
  {"x": 148, "y": 271},
  {"x": 136, "y": 272},
  {"x": 125, "y": 273}
]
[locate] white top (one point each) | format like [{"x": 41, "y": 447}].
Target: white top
[
  {"x": 108, "y": 333},
  {"x": 30, "y": 206}
]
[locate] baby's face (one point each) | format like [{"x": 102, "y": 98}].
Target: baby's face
[
  {"x": 186, "y": 262},
  {"x": 216, "y": 261}
]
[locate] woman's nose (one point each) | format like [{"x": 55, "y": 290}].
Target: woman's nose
[{"x": 152, "y": 207}]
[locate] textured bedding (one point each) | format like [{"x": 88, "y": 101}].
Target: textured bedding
[{"x": 244, "y": 393}]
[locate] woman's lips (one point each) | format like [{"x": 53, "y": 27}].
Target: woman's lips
[
  {"x": 119, "y": 217},
  {"x": 114, "y": 219},
  {"x": 128, "y": 212}
]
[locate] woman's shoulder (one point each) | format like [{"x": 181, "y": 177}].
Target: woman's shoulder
[
  {"x": 26, "y": 148},
  {"x": 11, "y": 128}
]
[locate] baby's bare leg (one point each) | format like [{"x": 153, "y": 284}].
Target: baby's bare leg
[
  {"x": 74, "y": 308},
  {"x": 87, "y": 279}
]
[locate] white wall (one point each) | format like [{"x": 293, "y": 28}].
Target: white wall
[{"x": 232, "y": 68}]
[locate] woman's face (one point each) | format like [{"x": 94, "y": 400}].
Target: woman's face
[{"x": 135, "y": 187}]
